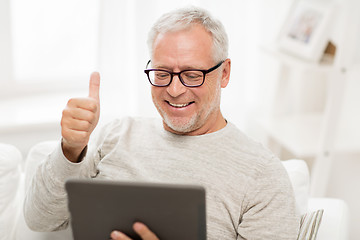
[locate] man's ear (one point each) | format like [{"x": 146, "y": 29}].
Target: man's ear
[{"x": 226, "y": 73}]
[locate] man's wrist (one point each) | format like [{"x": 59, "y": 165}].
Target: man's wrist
[{"x": 74, "y": 155}]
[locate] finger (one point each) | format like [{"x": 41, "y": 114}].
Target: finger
[
  {"x": 74, "y": 138},
  {"x": 144, "y": 232},
  {"x": 116, "y": 235},
  {"x": 79, "y": 114},
  {"x": 85, "y": 103},
  {"x": 94, "y": 86},
  {"x": 77, "y": 125}
]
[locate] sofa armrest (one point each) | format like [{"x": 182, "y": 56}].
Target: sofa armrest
[{"x": 335, "y": 221}]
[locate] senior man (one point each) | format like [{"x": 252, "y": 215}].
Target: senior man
[{"x": 249, "y": 195}]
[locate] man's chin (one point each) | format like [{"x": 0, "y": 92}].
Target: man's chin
[{"x": 179, "y": 127}]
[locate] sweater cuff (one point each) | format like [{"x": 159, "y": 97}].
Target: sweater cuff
[{"x": 61, "y": 167}]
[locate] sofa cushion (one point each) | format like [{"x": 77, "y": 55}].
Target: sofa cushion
[
  {"x": 300, "y": 179},
  {"x": 36, "y": 155},
  {"x": 335, "y": 220},
  {"x": 10, "y": 175}
]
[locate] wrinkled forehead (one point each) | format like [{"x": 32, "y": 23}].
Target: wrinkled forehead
[
  {"x": 181, "y": 31},
  {"x": 177, "y": 52}
]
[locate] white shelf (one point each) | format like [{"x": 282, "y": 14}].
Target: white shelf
[
  {"x": 294, "y": 61},
  {"x": 300, "y": 134}
]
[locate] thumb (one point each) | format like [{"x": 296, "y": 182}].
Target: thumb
[{"x": 94, "y": 86}]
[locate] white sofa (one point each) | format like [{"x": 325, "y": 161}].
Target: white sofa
[{"x": 16, "y": 172}]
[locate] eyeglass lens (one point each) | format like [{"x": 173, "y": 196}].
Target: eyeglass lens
[{"x": 190, "y": 78}]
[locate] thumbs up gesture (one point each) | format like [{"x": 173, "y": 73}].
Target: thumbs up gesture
[{"x": 79, "y": 119}]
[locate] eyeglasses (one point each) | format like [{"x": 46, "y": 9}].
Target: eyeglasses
[{"x": 189, "y": 78}]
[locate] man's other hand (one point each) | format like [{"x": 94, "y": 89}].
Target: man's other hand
[
  {"x": 142, "y": 230},
  {"x": 79, "y": 119}
]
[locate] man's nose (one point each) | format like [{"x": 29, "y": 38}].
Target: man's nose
[{"x": 176, "y": 88}]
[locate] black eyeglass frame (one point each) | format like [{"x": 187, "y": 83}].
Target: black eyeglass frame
[{"x": 147, "y": 71}]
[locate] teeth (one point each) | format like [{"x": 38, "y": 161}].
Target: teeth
[{"x": 179, "y": 105}]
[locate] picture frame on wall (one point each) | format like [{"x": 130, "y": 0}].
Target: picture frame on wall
[{"x": 307, "y": 29}]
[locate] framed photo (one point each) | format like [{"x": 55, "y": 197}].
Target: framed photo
[{"x": 307, "y": 29}]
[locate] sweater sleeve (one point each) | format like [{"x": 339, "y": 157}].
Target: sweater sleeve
[
  {"x": 269, "y": 207},
  {"x": 45, "y": 206}
]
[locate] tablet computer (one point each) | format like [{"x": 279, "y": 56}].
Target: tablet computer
[{"x": 98, "y": 207}]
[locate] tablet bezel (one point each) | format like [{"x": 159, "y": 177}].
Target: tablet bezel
[{"x": 171, "y": 211}]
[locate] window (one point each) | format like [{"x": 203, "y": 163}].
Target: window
[{"x": 53, "y": 41}]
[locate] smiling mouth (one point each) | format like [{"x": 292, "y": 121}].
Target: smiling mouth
[{"x": 175, "y": 105}]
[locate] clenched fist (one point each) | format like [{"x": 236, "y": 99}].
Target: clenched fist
[{"x": 79, "y": 119}]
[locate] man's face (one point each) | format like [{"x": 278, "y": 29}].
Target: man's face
[{"x": 185, "y": 110}]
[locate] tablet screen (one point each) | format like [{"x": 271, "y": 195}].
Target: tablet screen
[{"x": 171, "y": 211}]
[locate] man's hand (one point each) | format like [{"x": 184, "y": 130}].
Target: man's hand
[
  {"x": 142, "y": 230},
  {"x": 79, "y": 119}
]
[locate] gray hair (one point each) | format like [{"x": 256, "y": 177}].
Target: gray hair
[{"x": 184, "y": 18}]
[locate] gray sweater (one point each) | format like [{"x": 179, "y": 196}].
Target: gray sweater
[{"x": 249, "y": 195}]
